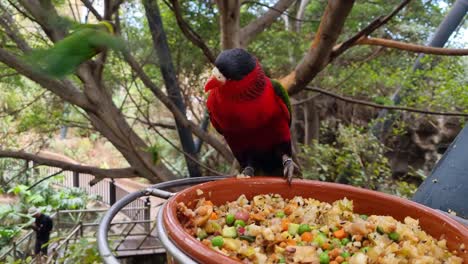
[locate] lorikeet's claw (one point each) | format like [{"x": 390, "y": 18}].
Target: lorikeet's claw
[
  {"x": 248, "y": 171},
  {"x": 289, "y": 168}
]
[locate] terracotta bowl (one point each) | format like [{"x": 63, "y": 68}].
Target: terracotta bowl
[{"x": 365, "y": 202}]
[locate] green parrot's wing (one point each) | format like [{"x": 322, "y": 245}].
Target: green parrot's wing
[
  {"x": 103, "y": 39},
  {"x": 283, "y": 95},
  {"x": 65, "y": 56}
]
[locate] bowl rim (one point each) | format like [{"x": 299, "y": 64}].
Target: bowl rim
[{"x": 199, "y": 252}]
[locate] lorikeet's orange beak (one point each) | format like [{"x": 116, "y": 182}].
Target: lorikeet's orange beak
[{"x": 217, "y": 79}]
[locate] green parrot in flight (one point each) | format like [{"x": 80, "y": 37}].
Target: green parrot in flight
[{"x": 85, "y": 42}]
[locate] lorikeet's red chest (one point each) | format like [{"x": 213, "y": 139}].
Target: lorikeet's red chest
[{"x": 249, "y": 113}]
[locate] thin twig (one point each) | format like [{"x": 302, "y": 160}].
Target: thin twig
[
  {"x": 188, "y": 31},
  {"x": 282, "y": 12},
  {"x": 374, "y": 25},
  {"x": 91, "y": 8},
  {"x": 187, "y": 154},
  {"x": 366, "y": 103},
  {"x": 16, "y": 111},
  {"x": 411, "y": 47}
]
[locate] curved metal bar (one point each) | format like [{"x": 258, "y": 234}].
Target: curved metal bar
[
  {"x": 103, "y": 246},
  {"x": 175, "y": 252}
]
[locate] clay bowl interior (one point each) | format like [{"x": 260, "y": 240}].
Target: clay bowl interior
[{"x": 365, "y": 202}]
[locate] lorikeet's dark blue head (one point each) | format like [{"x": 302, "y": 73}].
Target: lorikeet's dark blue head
[
  {"x": 235, "y": 64},
  {"x": 231, "y": 65}
]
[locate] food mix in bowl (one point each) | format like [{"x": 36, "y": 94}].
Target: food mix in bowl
[{"x": 271, "y": 229}]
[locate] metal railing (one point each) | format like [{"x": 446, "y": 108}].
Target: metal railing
[{"x": 71, "y": 225}]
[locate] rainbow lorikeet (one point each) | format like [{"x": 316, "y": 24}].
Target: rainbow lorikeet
[
  {"x": 253, "y": 113},
  {"x": 85, "y": 42}
]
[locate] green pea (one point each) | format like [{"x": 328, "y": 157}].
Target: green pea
[
  {"x": 303, "y": 228},
  {"x": 344, "y": 262},
  {"x": 363, "y": 216},
  {"x": 345, "y": 241},
  {"x": 217, "y": 241},
  {"x": 230, "y": 219},
  {"x": 345, "y": 255},
  {"x": 336, "y": 242},
  {"x": 282, "y": 260},
  {"x": 394, "y": 236},
  {"x": 239, "y": 223},
  {"x": 201, "y": 233},
  {"x": 320, "y": 239},
  {"x": 280, "y": 214},
  {"x": 324, "y": 258},
  {"x": 380, "y": 230}
]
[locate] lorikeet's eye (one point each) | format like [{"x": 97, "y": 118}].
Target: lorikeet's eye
[{"x": 218, "y": 75}]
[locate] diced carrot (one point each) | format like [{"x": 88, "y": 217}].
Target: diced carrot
[
  {"x": 285, "y": 224},
  {"x": 291, "y": 242},
  {"x": 213, "y": 216},
  {"x": 306, "y": 236},
  {"x": 326, "y": 245},
  {"x": 340, "y": 234}
]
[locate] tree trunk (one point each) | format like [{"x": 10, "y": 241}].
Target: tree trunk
[
  {"x": 109, "y": 121},
  {"x": 167, "y": 70},
  {"x": 229, "y": 11}
]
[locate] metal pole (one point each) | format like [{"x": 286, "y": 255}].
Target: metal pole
[
  {"x": 147, "y": 214},
  {"x": 14, "y": 251},
  {"x": 112, "y": 192},
  {"x": 57, "y": 225},
  {"x": 76, "y": 179},
  {"x": 451, "y": 21}
]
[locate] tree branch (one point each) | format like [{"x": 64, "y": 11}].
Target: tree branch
[
  {"x": 23, "y": 107},
  {"x": 366, "y": 103},
  {"x": 318, "y": 56},
  {"x": 179, "y": 116},
  {"x": 98, "y": 172},
  {"x": 257, "y": 26},
  {"x": 411, "y": 47},
  {"x": 11, "y": 29},
  {"x": 66, "y": 92},
  {"x": 91, "y": 8},
  {"x": 189, "y": 33},
  {"x": 47, "y": 17},
  {"x": 374, "y": 25}
]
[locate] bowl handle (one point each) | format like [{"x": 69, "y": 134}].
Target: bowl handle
[{"x": 159, "y": 193}]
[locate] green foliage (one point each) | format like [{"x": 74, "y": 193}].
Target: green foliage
[
  {"x": 14, "y": 217},
  {"x": 356, "y": 157},
  {"x": 83, "y": 251}
]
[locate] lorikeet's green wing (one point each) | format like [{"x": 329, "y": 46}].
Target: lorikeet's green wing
[
  {"x": 283, "y": 95},
  {"x": 104, "y": 40},
  {"x": 65, "y": 56}
]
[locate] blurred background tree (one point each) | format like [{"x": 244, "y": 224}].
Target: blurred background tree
[{"x": 141, "y": 113}]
